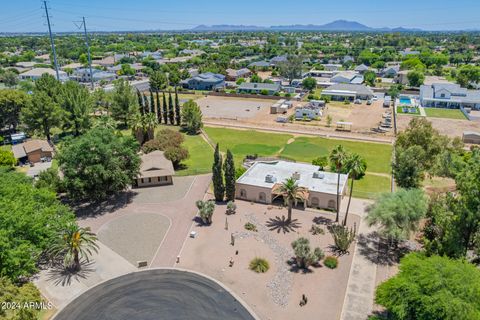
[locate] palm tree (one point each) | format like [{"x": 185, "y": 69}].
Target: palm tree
[
  {"x": 291, "y": 193},
  {"x": 137, "y": 125},
  {"x": 150, "y": 122},
  {"x": 75, "y": 243},
  {"x": 338, "y": 156},
  {"x": 356, "y": 167}
]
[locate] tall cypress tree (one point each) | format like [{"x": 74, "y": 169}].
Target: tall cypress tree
[
  {"x": 171, "y": 112},
  {"x": 178, "y": 117},
  {"x": 165, "y": 109},
  {"x": 159, "y": 108},
  {"x": 229, "y": 172},
  {"x": 152, "y": 103},
  {"x": 217, "y": 177}
]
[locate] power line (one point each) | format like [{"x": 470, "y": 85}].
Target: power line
[{"x": 51, "y": 40}]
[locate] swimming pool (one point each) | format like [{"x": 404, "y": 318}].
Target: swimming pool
[{"x": 405, "y": 101}]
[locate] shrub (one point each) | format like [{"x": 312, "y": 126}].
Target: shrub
[
  {"x": 330, "y": 262},
  {"x": 231, "y": 208},
  {"x": 342, "y": 236},
  {"x": 206, "y": 209},
  {"x": 304, "y": 255},
  {"x": 250, "y": 227},
  {"x": 259, "y": 265},
  {"x": 316, "y": 230}
]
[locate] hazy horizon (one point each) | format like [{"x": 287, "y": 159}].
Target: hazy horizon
[{"x": 142, "y": 15}]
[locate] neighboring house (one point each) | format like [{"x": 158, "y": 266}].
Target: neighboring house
[
  {"x": 319, "y": 74},
  {"x": 391, "y": 71},
  {"x": 259, "y": 64},
  {"x": 332, "y": 66},
  {"x": 275, "y": 61},
  {"x": 36, "y": 73},
  {"x": 26, "y": 64},
  {"x": 157, "y": 55},
  {"x": 281, "y": 106},
  {"x": 342, "y": 91},
  {"x": 308, "y": 111},
  {"x": 84, "y": 75},
  {"x": 471, "y": 137},
  {"x": 402, "y": 77},
  {"x": 362, "y": 68},
  {"x": 155, "y": 170},
  {"x": 348, "y": 58},
  {"x": 105, "y": 62},
  {"x": 408, "y": 52},
  {"x": 205, "y": 81},
  {"x": 234, "y": 75},
  {"x": 259, "y": 182},
  {"x": 449, "y": 95},
  {"x": 257, "y": 88},
  {"x": 347, "y": 77},
  {"x": 33, "y": 150}
]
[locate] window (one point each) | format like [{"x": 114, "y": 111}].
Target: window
[
  {"x": 262, "y": 197},
  {"x": 142, "y": 180},
  {"x": 162, "y": 179},
  {"x": 243, "y": 193},
  {"x": 331, "y": 204},
  {"x": 315, "y": 202},
  {"x": 442, "y": 95},
  {"x": 149, "y": 180}
]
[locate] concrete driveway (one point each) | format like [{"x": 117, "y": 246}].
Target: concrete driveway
[{"x": 157, "y": 294}]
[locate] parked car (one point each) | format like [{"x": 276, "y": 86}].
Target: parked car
[
  {"x": 369, "y": 102},
  {"x": 357, "y": 101}
]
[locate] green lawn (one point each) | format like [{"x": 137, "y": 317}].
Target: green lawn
[
  {"x": 370, "y": 186},
  {"x": 445, "y": 113},
  {"x": 201, "y": 156},
  {"x": 378, "y": 156},
  {"x": 243, "y": 142},
  {"x": 7, "y": 147}
]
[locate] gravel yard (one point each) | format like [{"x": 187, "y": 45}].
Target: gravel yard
[{"x": 233, "y": 108}]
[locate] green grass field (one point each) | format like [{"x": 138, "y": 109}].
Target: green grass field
[
  {"x": 201, "y": 156},
  {"x": 370, "y": 186},
  {"x": 243, "y": 142},
  {"x": 304, "y": 149},
  {"x": 445, "y": 113}
]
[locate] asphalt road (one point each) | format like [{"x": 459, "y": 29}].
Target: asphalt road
[{"x": 156, "y": 295}]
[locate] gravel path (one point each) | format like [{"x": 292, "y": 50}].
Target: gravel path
[{"x": 281, "y": 284}]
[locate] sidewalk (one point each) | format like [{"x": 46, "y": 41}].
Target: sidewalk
[{"x": 358, "y": 304}]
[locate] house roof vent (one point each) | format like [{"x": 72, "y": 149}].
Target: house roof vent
[
  {"x": 270, "y": 178},
  {"x": 318, "y": 175}
]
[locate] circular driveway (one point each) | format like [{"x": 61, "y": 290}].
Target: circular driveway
[{"x": 156, "y": 294}]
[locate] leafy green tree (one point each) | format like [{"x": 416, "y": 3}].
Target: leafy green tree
[
  {"x": 229, "y": 171},
  {"x": 191, "y": 117},
  {"x": 309, "y": 83},
  {"x": 127, "y": 70},
  {"x": 291, "y": 193},
  {"x": 415, "y": 78},
  {"x": 322, "y": 162},
  {"x": 9, "y": 78},
  {"x": 370, "y": 78},
  {"x": 355, "y": 166},
  {"x": 467, "y": 75},
  {"x": 408, "y": 167},
  {"x": 432, "y": 288},
  {"x": 398, "y": 214},
  {"x": 7, "y": 158},
  {"x": 49, "y": 179},
  {"x": 255, "y": 79},
  {"x": 74, "y": 244},
  {"x": 304, "y": 256},
  {"x": 77, "y": 104},
  {"x": 42, "y": 115},
  {"x": 125, "y": 102},
  {"x": 19, "y": 294},
  {"x": 98, "y": 164},
  {"x": 25, "y": 235},
  {"x": 217, "y": 178},
  {"x": 291, "y": 68},
  {"x": 338, "y": 157},
  {"x": 49, "y": 85}
]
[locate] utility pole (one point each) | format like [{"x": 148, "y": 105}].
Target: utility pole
[
  {"x": 88, "y": 51},
  {"x": 51, "y": 40}
]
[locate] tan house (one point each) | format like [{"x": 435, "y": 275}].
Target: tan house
[
  {"x": 471, "y": 137},
  {"x": 155, "y": 170},
  {"x": 258, "y": 183},
  {"x": 33, "y": 150}
]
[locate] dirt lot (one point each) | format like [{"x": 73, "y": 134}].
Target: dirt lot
[
  {"x": 275, "y": 294},
  {"x": 233, "y": 108},
  {"x": 450, "y": 127}
]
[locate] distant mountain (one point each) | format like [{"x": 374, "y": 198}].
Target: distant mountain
[{"x": 338, "y": 25}]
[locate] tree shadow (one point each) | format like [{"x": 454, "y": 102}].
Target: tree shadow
[
  {"x": 200, "y": 222},
  {"x": 337, "y": 252},
  {"x": 378, "y": 250},
  {"x": 281, "y": 224},
  {"x": 322, "y": 221},
  {"x": 96, "y": 208},
  {"x": 61, "y": 276},
  {"x": 296, "y": 269}
]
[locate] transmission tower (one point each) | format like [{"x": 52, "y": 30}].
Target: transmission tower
[
  {"x": 82, "y": 23},
  {"x": 52, "y": 42}
]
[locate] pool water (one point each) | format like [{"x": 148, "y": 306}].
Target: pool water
[{"x": 405, "y": 100}]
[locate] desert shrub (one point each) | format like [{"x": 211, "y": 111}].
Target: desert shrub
[
  {"x": 231, "y": 208},
  {"x": 206, "y": 209},
  {"x": 315, "y": 230},
  {"x": 304, "y": 255},
  {"x": 259, "y": 265},
  {"x": 250, "y": 227},
  {"x": 330, "y": 262}
]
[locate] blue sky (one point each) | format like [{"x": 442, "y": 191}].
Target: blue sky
[{"x": 27, "y": 15}]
